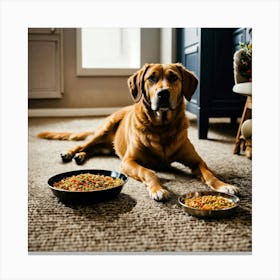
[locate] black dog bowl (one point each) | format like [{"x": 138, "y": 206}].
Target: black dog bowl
[{"x": 86, "y": 197}]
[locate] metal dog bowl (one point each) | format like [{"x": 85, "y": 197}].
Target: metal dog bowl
[{"x": 200, "y": 213}]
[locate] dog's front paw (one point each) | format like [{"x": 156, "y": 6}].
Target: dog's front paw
[
  {"x": 158, "y": 193},
  {"x": 80, "y": 157},
  {"x": 229, "y": 189},
  {"x": 66, "y": 156}
]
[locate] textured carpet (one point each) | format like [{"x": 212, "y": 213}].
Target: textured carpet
[{"x": 133, "y": 222}]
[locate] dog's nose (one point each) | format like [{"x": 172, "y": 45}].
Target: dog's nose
[{"x": 164, "y": 94}]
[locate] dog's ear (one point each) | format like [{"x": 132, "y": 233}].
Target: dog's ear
[
  {"x": 136, "y": 83},
  {"x": 189, "y": 81}
]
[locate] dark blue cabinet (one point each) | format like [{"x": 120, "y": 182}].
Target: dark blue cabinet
[{"x": 208, "y": 52}]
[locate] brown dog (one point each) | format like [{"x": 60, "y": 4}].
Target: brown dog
[{"x": 150, "y": 134}]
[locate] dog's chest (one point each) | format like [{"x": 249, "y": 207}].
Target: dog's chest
[{"x": 159, "y": 148}]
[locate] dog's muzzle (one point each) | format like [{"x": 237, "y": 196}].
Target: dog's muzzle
[{"x": 162, "y": 100}]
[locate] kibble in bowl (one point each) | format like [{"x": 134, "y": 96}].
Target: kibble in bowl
[
  {"x": 86, "y": 186},
  {"x": 86, "y": 182},
  {"x": 209, "y": 204}
]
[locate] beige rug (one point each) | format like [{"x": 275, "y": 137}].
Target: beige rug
[{"x": 133, "y": 222}]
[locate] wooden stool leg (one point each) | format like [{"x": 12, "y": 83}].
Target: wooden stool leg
[{"x": 247, "y": 112}]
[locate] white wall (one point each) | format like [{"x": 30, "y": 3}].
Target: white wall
[{"x": 103, "y": 91}]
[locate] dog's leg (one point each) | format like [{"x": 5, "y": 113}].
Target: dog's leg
[
  {"x": 103, "y": 148},
  {"x": 69, "y": 154},
  {"x": 81, "y": 152},
  {"x": 147, "y": 176},
  {"x": 100, "y": 143},
  {"x": 190, "y": 158},
  {"x": 212, "y": 181},
  {"x": 103, "y": 136}
]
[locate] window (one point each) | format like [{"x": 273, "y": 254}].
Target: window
[
  {"x": 115, "y": 51},
  {"x": 110, "y": 47}
]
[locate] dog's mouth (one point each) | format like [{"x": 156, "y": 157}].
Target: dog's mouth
[
  {"x": 161, "y": 105},
  {"x": 163, "y": 108}
]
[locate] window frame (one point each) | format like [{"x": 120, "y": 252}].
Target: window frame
[{"x": 147, "y": 55}]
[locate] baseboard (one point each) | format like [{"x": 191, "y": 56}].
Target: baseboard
[{"x": 72, "y": 112}]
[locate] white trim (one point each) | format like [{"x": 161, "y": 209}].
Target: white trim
[
  {"x": 167, "y": 45},
  {"x": 72, "y": 112}
]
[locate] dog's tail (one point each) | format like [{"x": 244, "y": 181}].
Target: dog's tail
[{"x": 64, "y": 135}]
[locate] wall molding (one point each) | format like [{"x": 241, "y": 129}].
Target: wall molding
[{"x": 72, "y": 112}]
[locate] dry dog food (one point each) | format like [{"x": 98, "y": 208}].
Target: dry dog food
[
  {"x": 209, "y": 202},
  {"x": 87, "y": 182}
]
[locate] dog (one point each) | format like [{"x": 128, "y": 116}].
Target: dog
[{"x": 151, "y": 133}]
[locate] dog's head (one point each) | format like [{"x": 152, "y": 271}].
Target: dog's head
[{"x": 162, "y": 85}]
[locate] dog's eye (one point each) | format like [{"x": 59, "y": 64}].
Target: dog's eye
[
  {"x": 152, "y": 79},
  {"x": 173, "y": 78}
]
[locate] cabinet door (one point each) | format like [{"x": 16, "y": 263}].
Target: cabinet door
[
  {"x": 192, "y": 62},
  {"x": 191, "y": 36},
  {"x": 44, "y": 66}
]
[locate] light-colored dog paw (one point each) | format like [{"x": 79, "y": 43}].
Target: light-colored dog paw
[
  {"x": 229, "y": 189},
  {"x": 158, "y": 193}
]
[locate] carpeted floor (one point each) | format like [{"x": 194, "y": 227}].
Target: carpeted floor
[{"x": 133, "y": 222}]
